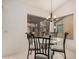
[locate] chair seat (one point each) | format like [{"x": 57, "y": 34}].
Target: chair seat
[
  {"x": 41, "y": 57},
  {"x": 57, "y": 50}
]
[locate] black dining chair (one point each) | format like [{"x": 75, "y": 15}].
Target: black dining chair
[
  {"x": 31, "y": 43},
  {"x": 63, "y": 47},
  {"x": 42, "y": 46}
]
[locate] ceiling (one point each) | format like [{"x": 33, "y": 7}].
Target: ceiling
[{"x": 46, "y": 4}]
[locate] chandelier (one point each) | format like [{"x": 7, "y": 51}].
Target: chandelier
[{"x": 51, "y": 17}]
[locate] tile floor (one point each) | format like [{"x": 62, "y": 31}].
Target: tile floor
[{"x": 70, "y": 55}]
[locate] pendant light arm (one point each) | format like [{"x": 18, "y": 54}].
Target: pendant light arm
[
  {"x": 51, "y": 5},
  {"x": 51, "y": 10}
]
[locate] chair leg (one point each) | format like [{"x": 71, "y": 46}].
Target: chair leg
[
  {"x": 52, "y": 55},
  {"x": 64, "y": 55},
  {"x": 30, "y": 52},
  {"x": 35, "y": 56},
  {"x": 48, "y": 57},
  {"x": 28, "y": 55},
  {"x": 53, "y": 52}
]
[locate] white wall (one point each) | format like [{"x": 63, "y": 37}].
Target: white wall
[
  {"x": 66, "y": 9},
  {"x": 15, "y": 25}
]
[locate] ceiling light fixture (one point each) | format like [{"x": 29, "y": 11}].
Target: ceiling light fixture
[{"x": 51, "y": 17}]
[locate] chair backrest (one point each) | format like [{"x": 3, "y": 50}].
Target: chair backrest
[
  {"x": 64, "y": 41},
  {"x": 42, "y": 45}
]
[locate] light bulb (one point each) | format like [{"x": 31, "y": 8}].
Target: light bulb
[
  {"x": 54, "y": 16},
  {"x": 48, "y": 17}
]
